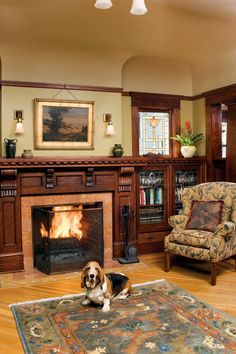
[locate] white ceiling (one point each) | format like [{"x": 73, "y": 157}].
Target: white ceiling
[
  {"x": 190, "y": 31},
  {"x": 219, "y": 8}
]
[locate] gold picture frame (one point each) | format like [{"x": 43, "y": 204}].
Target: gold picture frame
[{"x": 64, "y": 124}]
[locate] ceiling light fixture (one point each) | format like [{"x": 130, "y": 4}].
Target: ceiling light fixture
[
  {"x": 103, "y": 4},
  {"x": 138, "y": 6}
]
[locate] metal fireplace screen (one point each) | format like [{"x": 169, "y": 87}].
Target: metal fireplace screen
[{"x": 67, "y": 236}]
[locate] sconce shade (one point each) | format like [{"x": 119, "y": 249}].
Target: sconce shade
[
  {"x": 19, "y": 128},
  {"x": 138, "y": 7},
  {"x": 103, "y": 4},
  {"x": 110, "y": 129}
]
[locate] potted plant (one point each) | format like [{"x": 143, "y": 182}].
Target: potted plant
[{"x": 188, "y": 140}]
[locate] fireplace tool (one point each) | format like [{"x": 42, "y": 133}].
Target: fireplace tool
[{"x": 127, "y": 221}]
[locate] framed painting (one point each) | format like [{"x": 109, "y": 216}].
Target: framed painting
[{"x": 64, "y": 124}]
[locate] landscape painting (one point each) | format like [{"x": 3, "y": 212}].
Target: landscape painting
[{"x": 64, "y": 124}]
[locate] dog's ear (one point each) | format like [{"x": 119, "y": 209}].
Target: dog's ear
[
  {"x": 101, "y": 275},
  {"x": 82, "y": 283},
  {"x": 83, "y": 276}
]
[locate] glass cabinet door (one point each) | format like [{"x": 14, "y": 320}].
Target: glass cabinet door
[
  {"x": 151, "y": 197},
  {"x": 183, "y": 178}
]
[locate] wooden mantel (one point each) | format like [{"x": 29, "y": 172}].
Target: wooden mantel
[
  {"x": 100, "y": 161},
  {"x": 46, "y": 176}
]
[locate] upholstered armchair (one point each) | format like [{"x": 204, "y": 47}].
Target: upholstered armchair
[{"x": 206, "y": 228}]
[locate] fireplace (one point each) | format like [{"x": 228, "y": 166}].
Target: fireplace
[
  {"x": 65, "y": 237},
  {"x": 28, "y": 203}
]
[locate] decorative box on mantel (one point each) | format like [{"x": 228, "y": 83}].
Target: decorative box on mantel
[{"x": 56, "y": 178}]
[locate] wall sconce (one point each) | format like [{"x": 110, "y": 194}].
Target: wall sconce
[
  {"x": 18, "y": 116},
  {"x": 110, "y": 127}
]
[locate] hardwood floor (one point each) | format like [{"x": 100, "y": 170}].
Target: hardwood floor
[{"x": 185, "y": 274}]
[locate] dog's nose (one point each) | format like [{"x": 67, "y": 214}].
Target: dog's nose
[{"x": 91, "y": 276}]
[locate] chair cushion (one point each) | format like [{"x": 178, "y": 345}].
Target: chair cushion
[
  {"x": 193, "y": 238},
  {"x": 205, "y": 215},
  {"x": 225, "y": 191}
]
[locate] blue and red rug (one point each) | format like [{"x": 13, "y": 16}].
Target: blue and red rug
[{"x": 159, "y": 317}]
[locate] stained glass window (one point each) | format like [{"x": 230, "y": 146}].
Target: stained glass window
[{"x": 154, "y": 133}]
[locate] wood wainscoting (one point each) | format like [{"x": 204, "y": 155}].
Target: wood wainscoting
[{"x": 56, "y": 176}]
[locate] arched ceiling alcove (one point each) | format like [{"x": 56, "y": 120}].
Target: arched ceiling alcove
[{"x": 157, "y": 75}]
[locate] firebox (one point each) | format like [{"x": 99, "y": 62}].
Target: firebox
[{"x": 65, "y": 237}]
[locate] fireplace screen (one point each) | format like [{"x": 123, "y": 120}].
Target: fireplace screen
[{"x": 67, "y": 236}]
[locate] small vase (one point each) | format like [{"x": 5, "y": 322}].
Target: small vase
[
  {"x": 188, "y": 151},
  {"x": 27, "y": 154},
  {"x": 117, "y": 150},
  {"x": 10, "y": 145}
]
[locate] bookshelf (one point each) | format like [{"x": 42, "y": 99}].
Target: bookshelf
[
  {"x": 159, "y": 195},
  {"x": 151, "y": 196},
  {"x": 183, "y": 178}
]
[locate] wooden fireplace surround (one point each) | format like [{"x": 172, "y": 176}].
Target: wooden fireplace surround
[{"x": 21, "y": 177}]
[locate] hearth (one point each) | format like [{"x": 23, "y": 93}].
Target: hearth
[{"x": 65, "y": 237}]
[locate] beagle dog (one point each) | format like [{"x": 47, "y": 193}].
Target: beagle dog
[{"x": 101, "y": 288}]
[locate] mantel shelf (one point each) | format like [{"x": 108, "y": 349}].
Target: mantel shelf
[{"x": 35, "y": 162}]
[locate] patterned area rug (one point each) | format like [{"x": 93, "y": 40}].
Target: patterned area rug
[{"x": 158, "y": 317}]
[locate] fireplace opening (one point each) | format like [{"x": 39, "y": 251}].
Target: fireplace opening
[{"x": 65, "y": 237}]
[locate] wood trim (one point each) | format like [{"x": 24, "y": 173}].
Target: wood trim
[
  {"x": 60, "y": 86},
  {"x": 155, "y": 100},
  {"x": 135, "y": 130},
  {"x": 142, "y": 101},
  {"x": 212, "y": 96},
  {"x": 219, "y": 95},
  {"x": 231, "y": 151},
  {"x": 73, "y": 162}
]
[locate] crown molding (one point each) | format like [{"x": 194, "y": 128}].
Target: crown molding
[
  {"x": 60, "y": 86},
  {"x": 211, "y": 96}
]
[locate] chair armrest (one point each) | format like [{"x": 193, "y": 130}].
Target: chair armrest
[
  {"x": 225, "y": 229},
  {"x": 178, "y": 221}
]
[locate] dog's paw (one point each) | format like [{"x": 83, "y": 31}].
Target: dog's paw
[
  {"x": 85, "y": 302},
  {"x": 106, "y": 309},
  {"x": 122, "y": 297}
]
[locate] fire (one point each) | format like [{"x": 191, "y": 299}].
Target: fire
[{"x": 66, "y": 222}]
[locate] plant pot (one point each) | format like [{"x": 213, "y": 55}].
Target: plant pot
[{"x": 188, "y": 151}]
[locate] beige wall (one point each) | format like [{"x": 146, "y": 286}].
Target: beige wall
[
  {"x": 17, "y": 98},
  {"x": 83, "y": 67},
  {"x": 186, "y": 111},
  {"x": 14, "y": 98},
  {"x": 199, "y": 123}
]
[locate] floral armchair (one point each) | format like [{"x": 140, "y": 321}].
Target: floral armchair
[{"x": 206, "y": 228}]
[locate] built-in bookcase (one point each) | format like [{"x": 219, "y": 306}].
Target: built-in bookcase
[
  {"x": 151, "y": 196},
  {"x": 159, "y": 195},
  {"x": 183, "y": 178}
]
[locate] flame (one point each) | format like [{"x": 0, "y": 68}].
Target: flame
[
  {"x": 66, "y": 222},
  {"x": 43, "y": 231}
]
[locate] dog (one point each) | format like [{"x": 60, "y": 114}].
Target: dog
[{"x": 101, "y": 288}]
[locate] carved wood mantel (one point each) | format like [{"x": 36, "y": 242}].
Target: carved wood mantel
[{"x": 21, "y": 177}]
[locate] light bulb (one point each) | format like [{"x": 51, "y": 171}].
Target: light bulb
[
  {"x": 110, "y": 129},
  {"x": 19, "y": 128}
]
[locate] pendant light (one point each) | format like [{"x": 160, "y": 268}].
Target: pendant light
[{"x": 103, "y": 4}]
